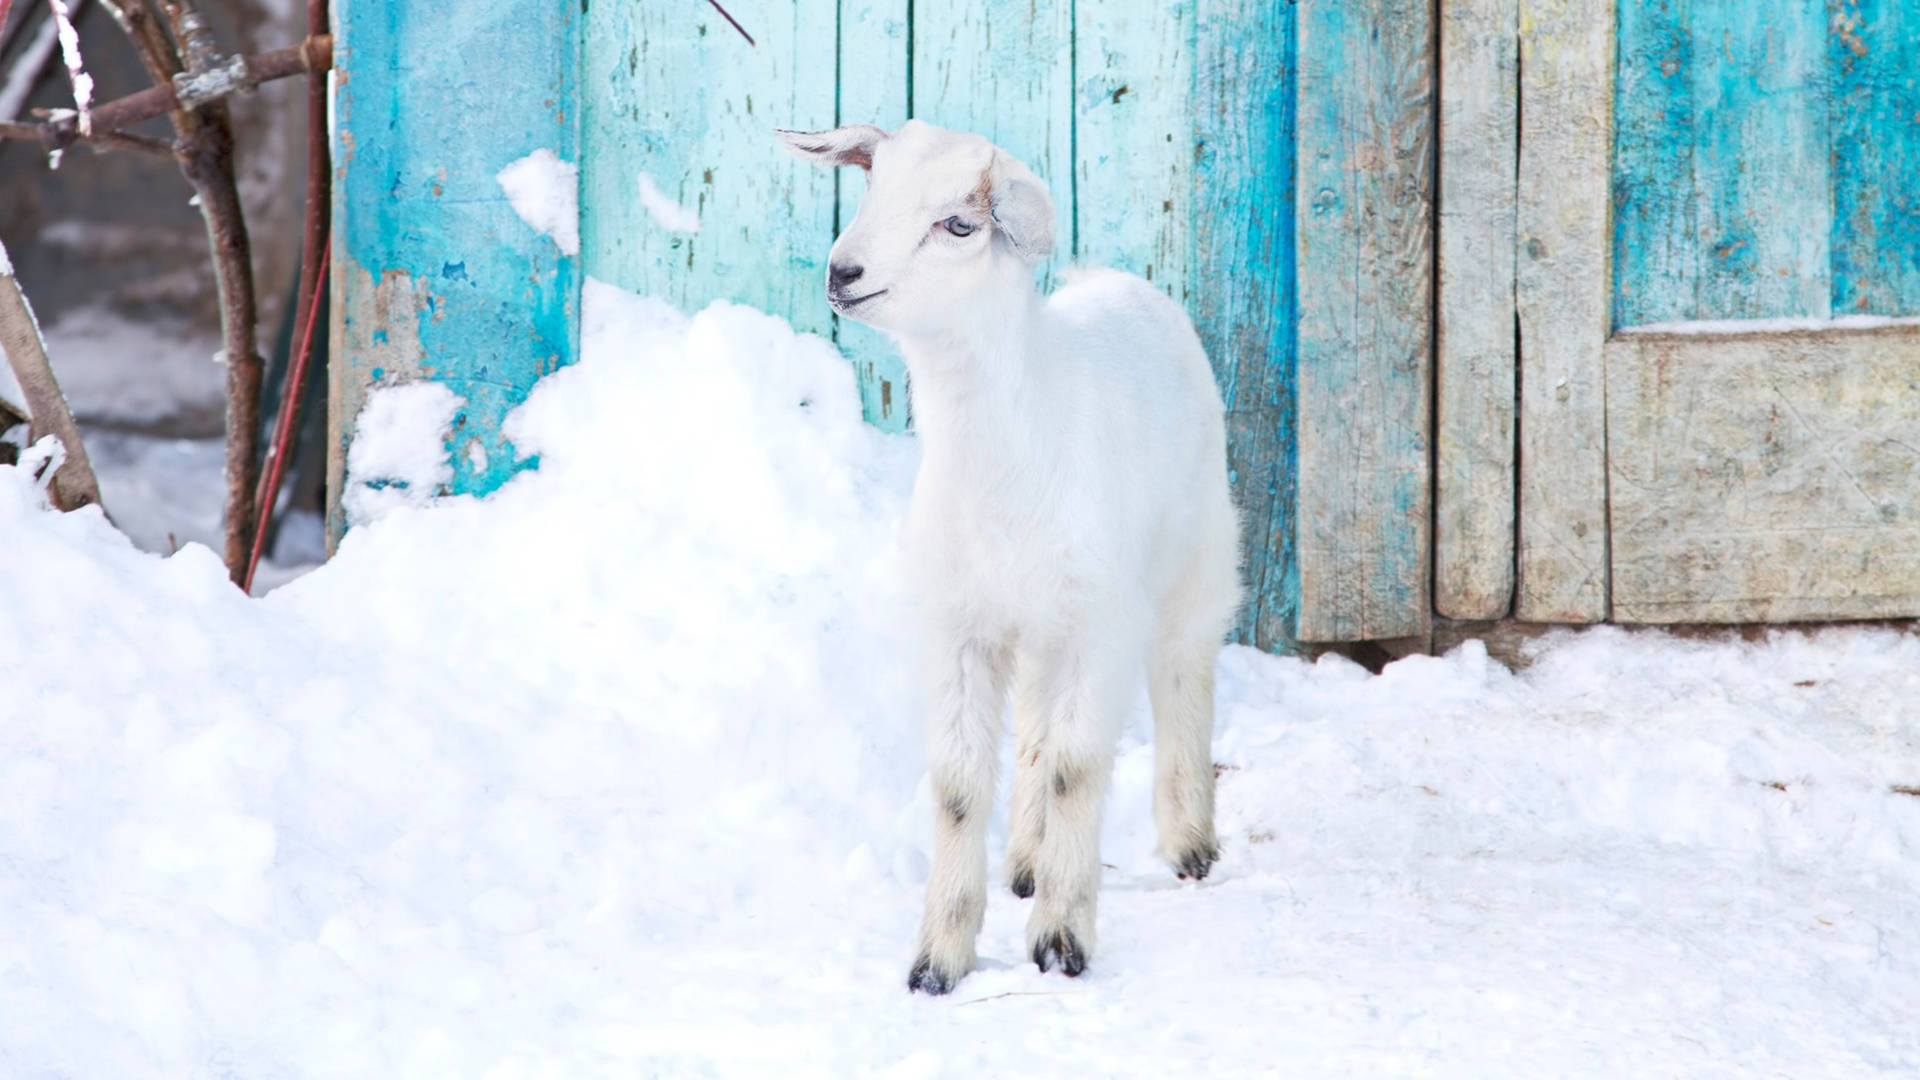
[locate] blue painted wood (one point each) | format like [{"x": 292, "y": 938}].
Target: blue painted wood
[
  {"x": 1365, "y": 330},
  {"x": 1875, "y": 52},
  {"x": 436, "y": 276},
  {"x": 675, "y": 94},
  {"x": 1764, "y": 159},
  {"x": 1244, "y": 248}
]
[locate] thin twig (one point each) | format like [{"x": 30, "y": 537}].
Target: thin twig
[
  {"x": 72, "y": 485},
  {"x": 283, "y": 426},
  {"x": 1015, "y": 993},
  {"x": 729, "y": 18}
]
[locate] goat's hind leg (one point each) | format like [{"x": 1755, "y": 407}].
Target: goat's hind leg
[
  {"x": 963, "y": 734},
  {"x": 1027, "y": 815},
  {"x": 1180, "y": 684}
]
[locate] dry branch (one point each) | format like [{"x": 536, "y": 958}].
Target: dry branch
[{"x": 73, "y": 484}]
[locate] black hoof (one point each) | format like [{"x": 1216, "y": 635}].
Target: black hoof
[
  {"x": 1023, "y": 884},
  {"x": 927, "y": 979},
  {"x": 1063, "y": 948},
  {"x": 1195, "y": 863}
]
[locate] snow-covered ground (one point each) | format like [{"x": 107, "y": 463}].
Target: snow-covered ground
[{"x": 617, "y": 773}]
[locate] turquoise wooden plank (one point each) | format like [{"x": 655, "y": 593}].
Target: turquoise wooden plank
[
  {"x": 1243, "y": 251},
  {"x": 1760, "y": 172},
  {"x": 435, "y": 275},
  {"x": 1133, "y": 136},
  {"x": 872, "y": 90},
  {"x": 1365, "y": 101},
  {"x": 673, "y": 94},
  {"x": 1875, "y": 54},
  {"x": 1653, "y": 190},
  {"x": 1003, "y": 68}
]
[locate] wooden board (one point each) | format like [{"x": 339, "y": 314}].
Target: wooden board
[
  {"x": 1133, "y": 139},
  {"x": 433, "y": 274},
  {"x": 1474, "y": 451},
  {"x": 1765, "y": 476},
  {"x": 1875, "y": 49},
  {"x": 1562, "y": 297},
  {"x": 1243, "y": 234},
  {"x": 1364, "y": 211},
  {"x": 674, "y": 93}
]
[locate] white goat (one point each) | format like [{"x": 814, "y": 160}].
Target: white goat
[{"x": 1071, "y": 526}]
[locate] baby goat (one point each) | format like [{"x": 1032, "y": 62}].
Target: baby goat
[{"x": 1071, "y": 526}]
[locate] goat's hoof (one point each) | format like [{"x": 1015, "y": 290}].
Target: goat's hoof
[
  {"x": 925, "y": 978},
  {"x": 1194, "y": 864},
  {"x": 1022, "y": 884},
  {"x": 1063, "y": 948}
]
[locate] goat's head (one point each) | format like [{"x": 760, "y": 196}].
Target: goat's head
[{"x": 948, "y": 219}]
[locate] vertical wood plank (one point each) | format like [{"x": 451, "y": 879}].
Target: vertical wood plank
[
  {"x": 872, "y": 78},
  {"x": 1133, "y": 138},
  {"x": 1760, "y": 159},
  {"x": 1875, "y": 51},
  {"x": 1243, "y": 250},
  {"x": 1655, "y": 249},
  {"x": 435, "y": 276},
  {"x": 1364, "y": 207},
  {"x": 1474, "y": 458},
  {"x": 1566, "y": 65},
  {"x": 674, "y": 94},
  {"x": 1003, "y": 69}
]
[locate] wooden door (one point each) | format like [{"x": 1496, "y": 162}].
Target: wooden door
[{"x": 1716, "y": 265}]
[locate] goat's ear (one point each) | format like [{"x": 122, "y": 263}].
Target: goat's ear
[
  {"x": 850, "y": 145},
  {"x": 1021, "y": 207}
]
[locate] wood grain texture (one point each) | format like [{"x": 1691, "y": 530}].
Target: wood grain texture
[
  {"x": 1364, "y": 207},
  {"x": 873, "y": 90},
  {"x": 1474, "y": 441},
  {"x": 672, "y": 92},
  {"x": 1875, "y": 50},
  {"x": 1765, "y": 476},
  {"x": 1243, "y": 248},
  {"x": 1003, "y": 69},
  {"x": 1562, "y": 297},
  {"x": 434, "y": 273},
  {"x": 1133, "y": 138}
]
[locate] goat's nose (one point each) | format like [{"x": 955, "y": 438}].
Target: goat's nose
[{"x": 840, "y": 275}]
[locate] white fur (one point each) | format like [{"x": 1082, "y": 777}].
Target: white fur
[{"x": 1071, "y": 526}]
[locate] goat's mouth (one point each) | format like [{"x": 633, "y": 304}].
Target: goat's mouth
[{"x": 846, "y": 303}]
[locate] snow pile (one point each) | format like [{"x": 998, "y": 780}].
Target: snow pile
[
  {"x": 545, "y": 192},
  {"x": 617, "y": 772}
]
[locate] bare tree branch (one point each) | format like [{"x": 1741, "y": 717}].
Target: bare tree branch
[{"x": 73, "y": 485}]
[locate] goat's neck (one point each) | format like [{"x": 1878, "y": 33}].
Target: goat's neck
[{"x": 974, "y": 382}]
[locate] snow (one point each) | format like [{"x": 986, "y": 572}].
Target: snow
[
  {"x": 545, "y": 192},
  {"x": 76, "y": 70},
  {"x": 1785, "y": 324},
  {"x": 154, "y": 375},
  {"x": 664, "y": 210},
  {"x": 617, "y": 772},
  {"x": 398, "y": 456}
]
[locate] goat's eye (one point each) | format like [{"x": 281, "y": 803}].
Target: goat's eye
[{"x": 957, "y": 226}]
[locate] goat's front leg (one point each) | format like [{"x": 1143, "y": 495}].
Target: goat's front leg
[
  {"x": 968, "y": 692},
  {"x": 1082, "y": 701},
  {"x": 1027, "y": 814}
]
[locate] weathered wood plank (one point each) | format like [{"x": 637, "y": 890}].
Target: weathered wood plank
[
  {"x": 434, "y": 274},
  {"x": 1760, "y": 159},
  {"x": 873, "y": 90},
  {"x": 1655, "y": 249},
  {"x": 1003, "y": 68},
  {"x": 1243, "y": 249},
  {"x": 1765, "y": 476},
  {"x": 1364, "y": 208},
  {"x": 674, "y": 95},
  {"x": 1876, "y": 157},
  {"x": 1133, "y": 138},
  {"x": 1561, "y": 284},
  {"x": 1474, "y": 458}
]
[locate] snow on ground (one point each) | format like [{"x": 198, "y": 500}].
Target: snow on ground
[{"x": 617, "y": 772}]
